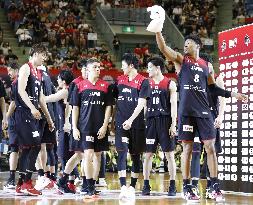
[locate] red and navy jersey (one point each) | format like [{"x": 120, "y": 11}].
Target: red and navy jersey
[
  {"x": 33, "y": 88},
  {"x": 127, "y": 94},
  {"x": 73, "y": 85},
  {"x": 92, "y": 101},
  {"x": 159, "y": 102},
  {"x": 193, "y": 99}
]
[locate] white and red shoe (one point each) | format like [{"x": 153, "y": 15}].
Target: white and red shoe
[{"x": 28, "y": 188}]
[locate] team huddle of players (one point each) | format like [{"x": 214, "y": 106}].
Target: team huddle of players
[{"x": 143, "y": 110}]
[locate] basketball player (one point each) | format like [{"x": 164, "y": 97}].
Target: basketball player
[
  {"x": 131, "y": 92},
  {"x": 217, "y": 105},
  {"x": 28, "y": 98},
  {"x": 195, "y": 77},
  {"x": 75, "y": 145},
  {"x": 92, "y": 101},
  {"x": 64, "y": 79},
  {"x": 48, "y": 138},
  {"x": 161, "y": 116},
  {"x": 13, "y": 138}
]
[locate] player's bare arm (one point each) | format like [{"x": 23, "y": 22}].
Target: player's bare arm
[
  {"x": 11, "y": 109},
  {"x": 75, "y": 116},
  {"x": 168, "y": 52},
  {"x": 23, "y": 75},
  {"x": 102, "y": 131},
  {"x": 142, "y": 102},
  {"x": 44, "y": 109},
  {"x": 173, "y": 102},
  {"x": 3, "y": 110}
]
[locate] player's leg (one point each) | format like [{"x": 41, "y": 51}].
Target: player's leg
[
  {"x": 167, "y": 143},
  {"x": 208, "y": 136},
  {"x": 186, "y": 135}
]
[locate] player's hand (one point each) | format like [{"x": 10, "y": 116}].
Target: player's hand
[
  {"x": 36, "y": 113},
  {"x": 4, "y": 124},
  {"x": 241, "y": 97},
  {"x": 76, "y": 134},
  {"x": 101, "y": 132},
  {"x": 218, "y": 121},
  {"x": 158, "y": 17},
  {"x": 172, "y": 130},
  {"x": 127, "y": 124},
  {"x": 51, "y": 125},
  {"x": 67, "y": 127}
]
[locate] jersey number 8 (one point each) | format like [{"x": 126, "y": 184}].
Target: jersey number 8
[{"x": 196, "y": 78}]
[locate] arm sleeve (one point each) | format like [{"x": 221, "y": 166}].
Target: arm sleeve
[
  {"x": 71, "y": 89},
  {"x": 115, "y": 91},
  {"x": 145, "y": 89},
  {"x": 214, "y": 89}
]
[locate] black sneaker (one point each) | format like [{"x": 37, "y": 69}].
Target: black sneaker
[
  {"x": 91, "y": 191},
  {"x": 84, "y": 190},
  {"x": 146, "y": 190},
  {"x": 215, "y": 193},
  {"x": 10, "y": 184},
  {"x": 63, "y": 188},
  {"x": 172, "y": 191},
  {"x": 188, "y": 193}
]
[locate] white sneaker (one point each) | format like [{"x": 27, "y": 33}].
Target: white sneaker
[
  {"x": 131, "y": 193},
  {"x": 78, "y": 181},
  {"x": 41, "y": 183},
  {"x": 101, "y": 183},
  {"x": 123, "y": 193}
]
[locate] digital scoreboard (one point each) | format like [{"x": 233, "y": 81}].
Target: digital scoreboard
[{"x": 235, "y": 163}]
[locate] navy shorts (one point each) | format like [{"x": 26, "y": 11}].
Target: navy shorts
[
  {"x": 133, "y": 140},
  {"x": 63, "y": 146},
  {"x": 157, "y": 131},
  {"x": 75, "y": 145},
  {"x": 189, "y": 126},
  {"x": 13, "y": 137},
  {"x": 47, "y": 136},
  {"x": 27, "y": 128},
  {"x": 91, "y": 141}
]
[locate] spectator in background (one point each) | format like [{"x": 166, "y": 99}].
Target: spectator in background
[
  {"x": 5, "y": 46},
  {"x": 11, "y": 58},
  {"x": 2, "y": 58},
  {"x": 116, "y": 46},
  {"x": 177, "y": 12},
  {"x": 103, "y": 50},
  {"x": 138, "y": 50}
]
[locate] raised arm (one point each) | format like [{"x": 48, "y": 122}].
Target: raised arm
[{"x": 168, "y": 52}]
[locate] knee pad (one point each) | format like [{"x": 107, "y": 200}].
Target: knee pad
[
  {"x": 14, "y": 148},
  {"x": 121, "y": 161},
  {"x": 136, "y": 163}
]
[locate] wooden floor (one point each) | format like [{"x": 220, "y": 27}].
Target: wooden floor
[{"x": 109, "y": 196}]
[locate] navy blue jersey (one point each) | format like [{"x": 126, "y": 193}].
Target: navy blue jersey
[
  {"x": 193, "y": 99},
  {"x": 92, "y": 101},
  {"x": 48, "y": 89},
  {"x": 33, "y": 88},
  {"x": 72, "y": 87},
  {"x": 127, "y": 94},
  {"x": 159, "y": 101},
  {"x": 2, "y": 94}
]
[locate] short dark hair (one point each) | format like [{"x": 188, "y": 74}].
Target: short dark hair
[
  {"x": 67, "y": 76},
  {"x": 195, "y": 38},
  {"x": 83, "y": 63},
  {"x": 157, "y": 61},
  {"x": 13, "y": 66},
  {"x": 38, "y": 48},
  {"x": 131, "y": 58},
  {"x": 206, "y": 57},
  {"x": 92, "y": 60}
]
